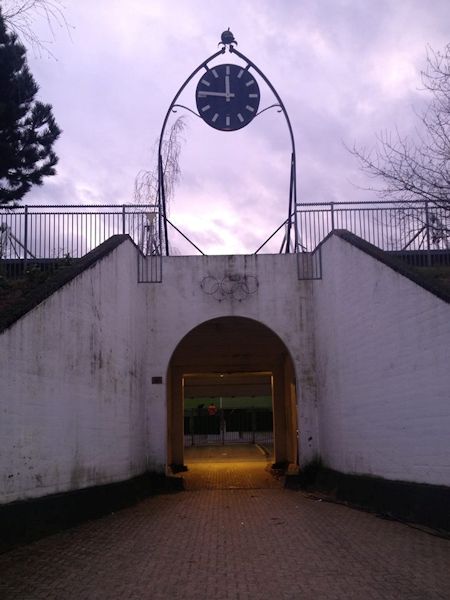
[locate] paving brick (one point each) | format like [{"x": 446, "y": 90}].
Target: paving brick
[{"x": 258, "y": 541}]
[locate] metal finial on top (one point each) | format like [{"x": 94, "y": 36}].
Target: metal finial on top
[{"x": 227, "y": 38}]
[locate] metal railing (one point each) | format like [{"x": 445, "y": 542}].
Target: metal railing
[
  {"x": 416, "y": 232},
  {"x": 44, "y": 236},
  {"x": 228, "y": 426}
]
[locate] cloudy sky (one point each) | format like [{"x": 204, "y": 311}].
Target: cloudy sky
[{"x": 345, "y": 69}]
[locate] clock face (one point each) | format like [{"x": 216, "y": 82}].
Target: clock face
[{"x": 227, "y": 97}]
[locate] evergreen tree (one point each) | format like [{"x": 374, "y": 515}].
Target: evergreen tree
[{"x": 27, "y": 127}]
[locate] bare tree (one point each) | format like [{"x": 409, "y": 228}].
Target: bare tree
[
  {"x": 20, "y": 17},
  {"x": 418, "y": 169},
  {"x": 146, "y": 182}
]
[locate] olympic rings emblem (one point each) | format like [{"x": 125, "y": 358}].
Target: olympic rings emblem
[{"x": 237, "y": 287}]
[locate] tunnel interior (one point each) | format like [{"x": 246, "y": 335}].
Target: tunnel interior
[{"x": 231, "y": 381}]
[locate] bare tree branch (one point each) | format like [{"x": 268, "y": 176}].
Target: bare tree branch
[
  {"x": 418, "y": 170},
  {"x": 146, "y": 182},
  {"x": 21, "y": 17}
]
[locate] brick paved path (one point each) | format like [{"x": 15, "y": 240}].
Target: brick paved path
[
  {"x": 253, "y": 543},
  {"x": 228, "y": 467}
]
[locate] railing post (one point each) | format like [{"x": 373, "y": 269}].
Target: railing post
[
  {"x": 123, "y": 219},
  {"x": 222, "y": 426},
  {"x": 332, "y": 215},
  {"x": 25, "y": 241},
  {"x": 253, "y": 424},
  {"x": 427, "y": 225},
  {"x": 192, "y": 425},
  {"x": 291, "y": 202}
]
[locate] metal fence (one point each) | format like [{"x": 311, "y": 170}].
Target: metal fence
[
  {"x": 44, "y": 236},
  {"x": 416, "y": 232},
  {"x": 227, "y": 426}
]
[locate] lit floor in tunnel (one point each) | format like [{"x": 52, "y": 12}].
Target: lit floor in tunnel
[{"x": 239, "y": 466}]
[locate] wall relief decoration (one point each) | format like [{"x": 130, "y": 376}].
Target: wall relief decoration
[{"x": 235, "y": 286}]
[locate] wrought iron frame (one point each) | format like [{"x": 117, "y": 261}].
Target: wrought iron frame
[{"x": 291, "y": 221}]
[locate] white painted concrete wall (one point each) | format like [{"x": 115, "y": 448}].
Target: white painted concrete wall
[
  {"x": 72, "y": 396},
  {"x": 383, "y": 370},
  {"x": 78, "y": 408},
  {"x": 282, "y": 303}
]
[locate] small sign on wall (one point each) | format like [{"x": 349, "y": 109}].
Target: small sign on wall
[{"x": 157, "y": 379}]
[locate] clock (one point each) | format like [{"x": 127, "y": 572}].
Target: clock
[{"x": 227, "y": 97}]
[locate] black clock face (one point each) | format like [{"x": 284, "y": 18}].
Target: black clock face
[{"x": 227, "y": 97}]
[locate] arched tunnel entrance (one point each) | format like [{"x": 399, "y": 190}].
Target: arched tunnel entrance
[{"x": 232, "y": 380}]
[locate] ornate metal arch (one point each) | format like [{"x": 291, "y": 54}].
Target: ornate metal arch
[{"x": 227, "y": 39}]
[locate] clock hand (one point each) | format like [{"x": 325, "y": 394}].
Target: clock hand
[
  {"x": 227, "y": 88},
  {"x": 223, "y": 94}
]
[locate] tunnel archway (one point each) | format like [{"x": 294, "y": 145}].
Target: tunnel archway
[{"x": 244, "y": 350}]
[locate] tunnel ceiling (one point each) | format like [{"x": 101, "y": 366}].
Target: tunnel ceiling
[
  {"x": 223, "y": 384},
  {"x": 229, "y": 344}
]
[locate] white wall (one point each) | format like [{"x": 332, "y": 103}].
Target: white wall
[
  {"x": 77, "y": 400},
  {"x": 383, "y": 370},
  {"x": 282, "y": 303},
  {"x": 72, "y": 395},
  {"x": 78, "y": 407}
]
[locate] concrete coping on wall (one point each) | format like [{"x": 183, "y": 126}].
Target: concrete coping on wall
[
  {"x": 60, "y": 278},
  {"x": 394, "y": 263}
]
